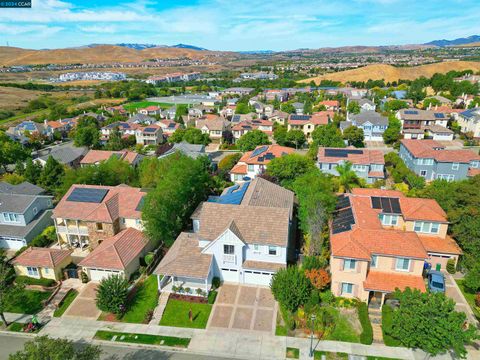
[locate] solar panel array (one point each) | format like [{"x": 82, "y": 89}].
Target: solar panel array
[
  {"x": 267, "y": 156},
  {"x": 439, "y": 115},
  {"x": 411, "y": 112},
  {"x": 149, "y": 130},
  {"x": 233, "y": 196},
  {"x": 343, "y": 221},
  {"x": 387, "y": 204},
  {"x": 342, "y": 202},
  {"x": 258, "y": 151},
  {"x": 341, "y": 152},
  {"x": 140, "y": 204},
  {"x": 87, "y": 195},
  {"x": 300, "y": 117}
]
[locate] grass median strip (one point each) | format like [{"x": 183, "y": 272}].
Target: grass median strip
[
  {"x": 72, "y": 294},
  {"x": 142, "y": 338}
]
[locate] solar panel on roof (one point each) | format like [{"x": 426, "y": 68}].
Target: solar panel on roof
[
  {"x": 376, "y": 204},
  {"x": 300, "y": 117},
  {"x": 258, "y": 151},
  {"x": 87, "y": 195},
  {"x": 386, "y": 207},
  {"x": 234, "y": 195},
  {"x": 439, "y": 115},
  {"x": 342, "y": 202},
  {"x": 342, "y": 221},
  {"x": 395, "y": 206},
  {"x": 149, "y": 130},
  {"x": 411, "y": 112},
  {"x": 343, "y": 153},
  {"x": 387, "y": 204}
]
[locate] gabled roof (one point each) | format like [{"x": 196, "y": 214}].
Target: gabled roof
[
  {"x": 25, "y": 188},
  {"x": 369, "y": 116},
  {"x": 117, "y": 252},
  {"x": 96, "y": 156},
  {"x": 41, "y": 257},
  {"x": 432, "y": 149},
  {"x": 353, "y": 155},
  {"x": 263, "y": 154},
  {"x": 388, "y": 282}
]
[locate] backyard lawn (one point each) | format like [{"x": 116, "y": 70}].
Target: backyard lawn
[
  {"x": 469, "y": 296},
  {"x": 146, "y": 299},
  {"x": 142, "y": 338},
  {"x": 28, "y": 302},
  {"x": 72, "y": 294},
  {"x": 176, "y": 314}
]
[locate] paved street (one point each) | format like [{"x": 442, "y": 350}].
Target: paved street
[{"x": 11, "y": 343}]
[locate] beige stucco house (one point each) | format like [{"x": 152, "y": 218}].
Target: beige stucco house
[{"x": 46, "y": 263}]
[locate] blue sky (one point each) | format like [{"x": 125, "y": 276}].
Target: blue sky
[{"x": 238, "y": 24}]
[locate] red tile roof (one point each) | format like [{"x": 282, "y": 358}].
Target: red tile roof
[
  {"x": 439, "y": 245},
  {"x": 239, "y": 169},
  {"x": 120, "y": 201},
  {"x": 329, "y": 103},
  {"x": 41, "y": 257},
  {"x": 95, "y": 156},
  {"x": 422, "y": 209},
  {"x": 117, "y": 252},
  {"x": 275, "y": 150},
  {"x": 388, "y": 282},
  {"x": 473, "y": 172},
  {"x": 368, "y": 157},
  {"x": 377, "y": 192},
  {"x": 425, "y": 149}
]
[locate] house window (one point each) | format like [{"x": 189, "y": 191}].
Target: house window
[
  {"x": 446, "y": 177},
  {"x": 349, "y": 264},
  {"x": 99, "y": 226},
  {"x": 32, "y": 271},
  {"x": 35, "y": 211},
  {"x": 256, "y": 248},
  {"x": 228, "y": 249},
  {"x": 49, "y": 202},
  {"x": 373, "y": 261},
  {"x": 272, "y": 250},
  {"x": 46, "y": 270},
  {"x": 426, "y": 227},
  {"x": 123, "y": 220},
  {"x": 347, "y": 288},
  {"x": 389, "y": 220},
  {"x": 251, "y": 168},
  {"x": 455, "y": 166},
  {"x": 423, "y": 173},
  {"x": 402, "y": 264},
  {"x": 474, "y": 164},
  {"x": 11, "y": 217}
]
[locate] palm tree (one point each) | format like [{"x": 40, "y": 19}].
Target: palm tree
[{"x": 346, "y": 176}]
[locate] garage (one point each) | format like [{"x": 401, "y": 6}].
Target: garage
[
  {"x": 257, "y": 277},
  {"x": 100, "y": 274},
  {"x": 229, "y": 275},
  {"x": 11, "y": 243}
]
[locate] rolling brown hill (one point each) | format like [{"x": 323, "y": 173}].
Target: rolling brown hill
[
  {"x": 91, "y": 55},
  {"x": 391, "y": 73}
]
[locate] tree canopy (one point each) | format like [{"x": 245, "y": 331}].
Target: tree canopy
[
  {"x": 290, "y": 287},
  {"x": 191, "y": 135},
  {"x": 288, "y": 167},
  {"x": 354, "y": 136},
  {"x": 252, "y": 139},
  {"x": 328, "y": 136}
]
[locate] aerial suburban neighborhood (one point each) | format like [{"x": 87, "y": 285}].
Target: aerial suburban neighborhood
[{"x": 175, "y": 202}]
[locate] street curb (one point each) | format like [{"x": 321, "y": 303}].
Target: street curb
[
  {"x": 139, "y": 346},
  {"x": 18, "y": 334}
]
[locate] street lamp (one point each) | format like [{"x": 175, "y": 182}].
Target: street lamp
[{"x": 312, "y": 318}]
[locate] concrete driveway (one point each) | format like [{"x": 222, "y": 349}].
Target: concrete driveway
[
  {"x": 84, "y": 304},
  {"x": 244, "y": 307},
  {"x": 453, "y": 292}
]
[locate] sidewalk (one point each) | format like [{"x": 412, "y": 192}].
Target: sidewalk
[{"x": 20, "y": 318}]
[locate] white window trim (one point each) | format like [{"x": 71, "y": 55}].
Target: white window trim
[
  {"x": 350, "y": 262},
  {"x": 430, "y": 226},
  {"x": 455, "y": 166},
  {"x": 402, "y": 269},
  {"x": 372, "y": 265},
  {"x": 346, "y": 292},
  {"x": 33, "y": 271},
  {"x": 272, "y": 247}
]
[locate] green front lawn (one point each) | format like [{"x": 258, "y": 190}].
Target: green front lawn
[
  {"x": 343, "y": 330},
  {"x": 16, "y": 327},
  {"x": 143, "y": 104},
  {"x": 292, "y": 353},
  {"x": 28, "y": 302},
  {"x": 145, "y": 300},
  {"x": 469, "y": 296},
  {"x": 72, "y": 294},
  {"x": 176, "y": 314},
  {"x": 142, "y": 338},
  {"x": 317, "y": 355}
]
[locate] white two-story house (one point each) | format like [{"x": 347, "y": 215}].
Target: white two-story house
[{"x": 241, "y": 236}]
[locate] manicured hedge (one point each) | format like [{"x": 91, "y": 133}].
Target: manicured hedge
[
  {"x": 33, "y": 281},
  {"x": 366, "y": 337},
  {"x": 387, "y": 323}
]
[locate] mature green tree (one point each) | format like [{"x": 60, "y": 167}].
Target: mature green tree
[
  {"x": 115, "y": 141},
  {"x": 52, "y": 175},
  {"x": 295, "y": 138},
  {"x": 288, "y": 108},
  {"x": 354, "y": 136},
  {"x": 416, "y": 91},
  {"x": 431, "y": 102},
  {"x": 195, "y": 136},
  {"x": 32, "y": 172},
  {"x": 472, "y": 278},
  {"x": 252, "y": 139},
  {"x": 242, "y": 108},
  {"x": 181, "y": 109},
  {"x": 328, "y": 136},
  {"x": 291, "y": 288},
  {"x": 9, "y": 291},
  {"x": 280, "y": 135},
  {"x": 10, "y": 151},
  {"x": 428, "y": 321},
  {"x": 395, "y": 105},
  {"x": 45, "y": 348},
  {"x": 86, "y": 134},
  {"x": 307, "y": 107},
  {"x": 229, "y": 161},
  {"x": 392, "y": 134},
  {"x": 288, "y": 167},
  {"x": 353, "y": 107},
  {"x": 177, "y": 136},
  {"x": 181, "y": 184},
  {"x": 112, "y": 294},
  {"x": 347, "y": 178}
]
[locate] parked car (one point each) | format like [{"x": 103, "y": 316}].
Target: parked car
[{"x": 436, "y": 281}]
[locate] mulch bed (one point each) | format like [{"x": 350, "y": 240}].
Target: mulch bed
[{"x": 189, "y": 298}]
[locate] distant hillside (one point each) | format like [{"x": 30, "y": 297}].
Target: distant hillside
[
  {"x": 191, "y": 47},
  {"x": 459, "y": 41},
  {"x": 137, "y": 46},
  {"x": 390, "y": 73},
  {"x": 91, "y": 55}
]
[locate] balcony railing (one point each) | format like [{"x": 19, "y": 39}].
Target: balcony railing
[
  {"x": 72, "y": 230},
  {"x": 229, "y": 259}
]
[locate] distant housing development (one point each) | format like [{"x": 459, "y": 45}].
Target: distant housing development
[
  {"x": 94, "y": 75},
  {"x": 174, "y": 77}
]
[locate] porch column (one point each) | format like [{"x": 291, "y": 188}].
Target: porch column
[
  {"x": 206, "y": 286},
  {"x": 158, "y": 283},
  {"x": 383, "y": 299}
]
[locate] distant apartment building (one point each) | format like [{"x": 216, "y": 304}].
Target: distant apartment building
[
  {"x": 381, "y": 240},
  {"x": 372, "y": 123},
  {"x": 174, "y": 77},
  {"x": 93, "y": 75},
  {"x": 367, "y": 164},
  {"x": 430, "y": 160},
  {"x": 258, "y": 76},
  {"x": 254, "y": 163},
  {"x": 240, "y": 91}
]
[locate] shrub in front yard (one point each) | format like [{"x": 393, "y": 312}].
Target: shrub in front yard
[
  {"x": 216, "y": 282},
  {"x": 451, "y": 266},
  {"x": 477, "y": 299},
  {"x": 32, "y": 281},
  {"x": 366, "y": 337},
  {"x": 291, "y": 288},
  {"x": 112, "y": 294}
]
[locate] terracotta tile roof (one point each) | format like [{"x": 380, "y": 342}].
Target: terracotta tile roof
[
  {"x": 425, "y": 149},
  {"x": 117, "y": 252},
  {"x": 329, "y": 103},
  {"x": 275, "y": 150},
  {"x": 262, "y": 265},
  {"x": 366, "y": 158},
  {"x": 439, "y": 245},
  {"x": 185, "y": 258},
  {"x": 376, "y": 174},
  {"x": 151, "y": 108},
  {"x": 388, "y": 282},
  {"x": 55, "y": 124},
  {"x": 96, "y": 156},
  {"x": 422, "y": 209},
  {"x": 257, "y": 224},
  {"x": 377, "y": 192},
  {"x": 120, "y": 201},
  {"x": 473, "y": 172},
  {"x": 318, "y": 118},
  {"x": 239, "y": 169},
  {"x": 41, "y": 257}
]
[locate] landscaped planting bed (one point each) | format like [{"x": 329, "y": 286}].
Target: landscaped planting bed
[
  {"x": 142, "y": 339},
  {"x": 72, "y": 294}
]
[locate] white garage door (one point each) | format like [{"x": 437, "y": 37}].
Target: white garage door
[
  {"x": 100, "y": 274},
  {"x": 230, "y": 275},
  {"x": 11, "y": 243},
  {"x": 257, "y": 277}
]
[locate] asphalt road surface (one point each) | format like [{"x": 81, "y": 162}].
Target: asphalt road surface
[{"x": 11, "y": 343}]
